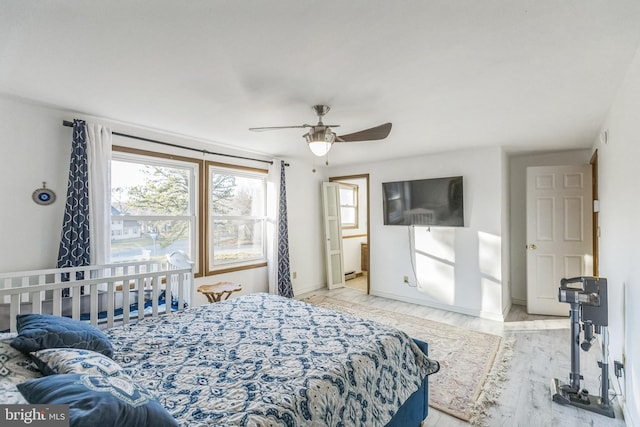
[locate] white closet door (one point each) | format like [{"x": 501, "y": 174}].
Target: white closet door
[
  {"x": 333, "y": 235},
  {"x": 559, "y": 238}
]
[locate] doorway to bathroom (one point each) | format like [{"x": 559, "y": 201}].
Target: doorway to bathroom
[{"x": 354, "y": 212}]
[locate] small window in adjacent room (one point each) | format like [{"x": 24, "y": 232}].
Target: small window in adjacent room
[
  {"x": 348, "y": 205},
  {"x": 237, "y": 214}
]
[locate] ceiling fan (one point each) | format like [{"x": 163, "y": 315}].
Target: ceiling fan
[{"x": 321, "y": 138}]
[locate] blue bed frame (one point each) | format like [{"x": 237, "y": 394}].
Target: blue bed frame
[{"x": 416, "y": 408}]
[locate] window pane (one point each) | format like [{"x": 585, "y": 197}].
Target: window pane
[
  {"x": 136, "y": 240},
  {"x": 236, "y": 195},
  {"x": 348, "y": 205},
  {"x": 347, "y": 215},
  {"x": 347, "y": 196},
  {"x": 145, "y": 189},
  {"x": 237, "y": 215},
  {"x": 237, "y": 240}
]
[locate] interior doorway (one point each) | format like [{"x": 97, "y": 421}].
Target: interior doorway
[{"x": 355, "y": 230}]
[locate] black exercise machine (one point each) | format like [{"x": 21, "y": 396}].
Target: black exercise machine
[{"x": 587, "y": 297}]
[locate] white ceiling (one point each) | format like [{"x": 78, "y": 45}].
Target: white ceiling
[{"x": 449, "y": 74}]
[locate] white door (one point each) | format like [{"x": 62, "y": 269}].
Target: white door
[
  {"x": 333, "y": 234},
  {"x": 559, "y": 236}
]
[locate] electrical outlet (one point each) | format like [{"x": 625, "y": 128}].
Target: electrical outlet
[
  {"x": 294, "y": 275},
  {"x": 406, "y": 279}
]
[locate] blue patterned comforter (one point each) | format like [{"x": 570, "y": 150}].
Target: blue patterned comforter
[{"x": 264, "y": 360}]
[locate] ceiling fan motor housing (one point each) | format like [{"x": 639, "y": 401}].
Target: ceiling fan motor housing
[
  {"x": 321, "y": 110},
  {"x": 320, "y": 133}
]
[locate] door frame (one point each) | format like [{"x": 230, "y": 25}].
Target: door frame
[
  {"x": 595, "y": 225},
  {"x": 368, "y": 192}
]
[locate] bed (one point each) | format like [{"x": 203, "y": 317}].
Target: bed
[{"x": 254, "y": 360}]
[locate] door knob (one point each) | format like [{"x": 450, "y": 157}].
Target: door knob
[{"x": 532, "y": 247}]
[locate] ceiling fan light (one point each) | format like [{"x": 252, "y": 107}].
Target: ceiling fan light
[
  {"x": 320, "y": 141},
  {"x": 319, "y": 148}
]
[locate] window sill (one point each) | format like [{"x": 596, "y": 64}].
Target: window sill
[{"x": 231, "y": 269}]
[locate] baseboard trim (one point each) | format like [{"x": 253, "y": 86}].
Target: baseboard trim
[
  {"x": 517, "y": 301},
  {"x": 628, "y": 419},
  {"x": 447, "y": 307},
  {"x": 299, "y": 290},
  {"x": 506, "y": 310}
]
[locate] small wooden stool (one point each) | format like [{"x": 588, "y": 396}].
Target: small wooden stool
[{"x": 215, "y": 292}]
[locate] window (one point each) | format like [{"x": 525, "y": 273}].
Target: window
[
  {"x": 154, "y": 206},
  {"x": 236, "y": 204},
  {"x": 348, "y": 205}
]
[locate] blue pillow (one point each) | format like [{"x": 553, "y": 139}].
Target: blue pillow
[
  {"x": 40, "y": 331},
  {"x": 98, "y": 401}
]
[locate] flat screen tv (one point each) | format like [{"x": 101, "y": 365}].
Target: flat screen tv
[{"x": 428, "y": 202}]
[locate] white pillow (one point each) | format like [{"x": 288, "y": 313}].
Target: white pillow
[
  {"x": 15, "y": 367},
  {"x": 74, "y": 360}
]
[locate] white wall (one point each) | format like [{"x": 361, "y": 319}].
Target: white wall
[
  {"x": 518, "y": 165},
  {"x": 33, "y": 150},
  {"x": 458, "y": 268},
  {"x": 306, "y": 244},
  {"x": 618, "y": 166},
  {"x": 35, "y": 147}
]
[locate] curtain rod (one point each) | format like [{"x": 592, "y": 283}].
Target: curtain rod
[{"x": 67, "y": 123}]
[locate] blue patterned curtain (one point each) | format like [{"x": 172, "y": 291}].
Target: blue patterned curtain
[
  {"x": 284, "y": 276},
  {"x": 74, "y": 243}
]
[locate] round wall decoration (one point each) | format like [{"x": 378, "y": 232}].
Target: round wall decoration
[{"x": 44, "y": 196}]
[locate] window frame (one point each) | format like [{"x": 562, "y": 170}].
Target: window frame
[
  {"x": 209, "y": 269},
  {"x": 195, "y": 217}
]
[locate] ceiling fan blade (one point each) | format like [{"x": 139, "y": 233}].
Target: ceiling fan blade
[
  {"x": 262, "y": 129},
  {"x": 371, "y": 134}
]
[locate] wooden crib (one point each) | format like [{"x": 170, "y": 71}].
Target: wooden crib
[{"x": 102, "y": 294}]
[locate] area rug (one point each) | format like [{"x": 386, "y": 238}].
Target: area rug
[{"x": 472, "y": 364}]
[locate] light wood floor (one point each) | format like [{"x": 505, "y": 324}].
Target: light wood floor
[{"x": 541, "y": 353}]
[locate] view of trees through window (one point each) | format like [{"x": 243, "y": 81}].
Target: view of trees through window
[
  {"x": 151, "y": 208},
  {"x": 154, "y": 210},
  {"x": 237, "y": 216}
]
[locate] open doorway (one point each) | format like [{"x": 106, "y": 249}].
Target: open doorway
[{"x": 354, "y": 209}]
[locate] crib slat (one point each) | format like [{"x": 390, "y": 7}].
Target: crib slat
[
  {"x": 14, "y": 310},
  {"x": 57, "y": 302},
  {"x": 168, "y": 292},
  {"x": 36, "y": 302},
  {"x": 93, "y": 311},
  {"x": 126, "y": 303},
  {"x": 110, "y": 303},
  {"x": 140, "y": 287},
  {"x": 156, "y": 282},
  {"x": 180, "y": 291},
  {"x": 75, "y": 302}
]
